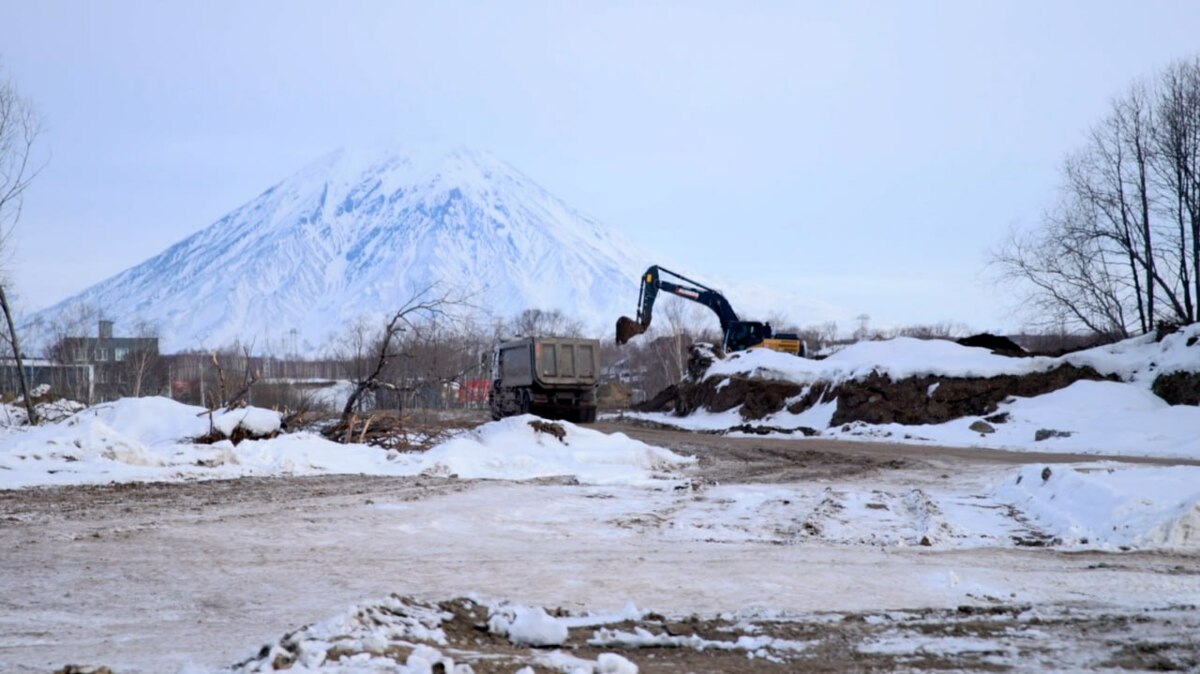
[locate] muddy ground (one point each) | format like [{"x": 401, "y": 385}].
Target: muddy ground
[{"x": 153, "y": 577}]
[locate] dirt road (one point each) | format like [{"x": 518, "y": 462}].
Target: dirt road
[
  {"x": 778, "y": 453},
  {"x": 152, "y": 577}
]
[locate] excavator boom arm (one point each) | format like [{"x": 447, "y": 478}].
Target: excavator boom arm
[{"x": 652, "y": 282}]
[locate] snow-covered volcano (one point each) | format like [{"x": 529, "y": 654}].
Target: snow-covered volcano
[{"x": 352, "y": 234}]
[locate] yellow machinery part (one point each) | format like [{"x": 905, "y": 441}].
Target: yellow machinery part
[{"x": 791, "y": 346}]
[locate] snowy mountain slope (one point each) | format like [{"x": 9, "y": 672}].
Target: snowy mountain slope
[{"x": 352, "y": 234}]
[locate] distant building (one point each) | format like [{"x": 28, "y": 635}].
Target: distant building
[{"x": 124, "y": 366}]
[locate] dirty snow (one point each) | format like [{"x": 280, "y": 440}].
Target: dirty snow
[
  {"x": 1110, "y": 506},
  {"x": 1139, "y": 359},
  {"x": 1087, "y": 417},
  {"x": 151, "y": 439},
  {"x": 525, "y": 626}
]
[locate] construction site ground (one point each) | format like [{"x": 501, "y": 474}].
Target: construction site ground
[{"x": 155, "y": 577}]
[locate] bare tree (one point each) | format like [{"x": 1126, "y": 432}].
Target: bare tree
[
  {"x": 1177, "y": 142},
  {"x": 19, "y": 129},
  {"x": 1072, "y": 284},
  {"x": 545, "y": 323},
  {"x": 423, "y": 305},
  {"x": 1121, "y": 251}
]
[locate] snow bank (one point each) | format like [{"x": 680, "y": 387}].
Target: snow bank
[
  {"x": 1087, "y": 417},
  {"x": 1110, "y": 507},
  {"x": 1139, "y": 360},
  {"x": 899, "y": 358},
  {"x": 525, "y": 626},
  {"x": 256, "y": 421},
  {"x": 512, "y": 449},
  {"x": 149, "y": 439}
]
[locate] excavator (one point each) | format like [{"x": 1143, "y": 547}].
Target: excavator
[{"x": 739, "y": 335}]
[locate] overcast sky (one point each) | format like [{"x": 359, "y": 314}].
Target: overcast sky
[{"x": 866, "y": 154}]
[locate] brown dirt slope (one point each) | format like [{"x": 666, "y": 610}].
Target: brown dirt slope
[{"x": 876, "y": 399}]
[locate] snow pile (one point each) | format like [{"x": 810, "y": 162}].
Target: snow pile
[
  {"x": 899, "y": 358},
  {"x": 398, "y": 636},
  {"x": 151, "y": 439},
  {"x": 1087, "y": 417},
  {"x": 525, "y": 626},
  {"x": 15, "y": 414},
  {"x": 1139, "y": 360},
  {"x": 255, "y": 421},
  {"x": 401, "y": 635},
  {"x": 1090, "y": 417},
  {"x": 512, "y": 449},
  {"x": 1103, "y": 506}
]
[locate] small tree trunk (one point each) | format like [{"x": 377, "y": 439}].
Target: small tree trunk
[{"x": 16, "y": 345}]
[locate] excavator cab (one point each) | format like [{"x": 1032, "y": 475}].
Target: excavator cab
[{"x": 741, "y": 335}]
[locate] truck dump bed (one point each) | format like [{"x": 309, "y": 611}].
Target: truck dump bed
[{"x": 551, "y": 376}]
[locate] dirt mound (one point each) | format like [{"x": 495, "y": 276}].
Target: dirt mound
[
  {"x": 999, "y": 345},
  {"x": 878, "y": 399},
  {"x": 875, "y": 399},
  {"x": 758, "y": 398},
  {"x": 613, "y": 395},
  {"x": 1178, "y": 388}
]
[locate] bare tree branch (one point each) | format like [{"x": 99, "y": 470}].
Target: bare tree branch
[{"x": 19, "y": 129}]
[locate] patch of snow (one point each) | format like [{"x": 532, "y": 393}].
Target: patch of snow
[
  {"x": 527, "y": 626},
  {"x": 1141, "y": 359},
  {"x": 899, "y": 358},
  {"x": 1101, "y": 417},
  {"x": 254, "y": 420},
  {"x": 1138, "y": 360},
  {"x": 1110, "y": 506},
  {"x": 935, "y": 645}
]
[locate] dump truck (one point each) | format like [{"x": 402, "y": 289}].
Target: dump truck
[{"x": 552, "y": 377}]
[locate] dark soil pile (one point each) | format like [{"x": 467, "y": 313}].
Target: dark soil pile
[
  {"x": 876, "y": 399},
  {"x": 1178, "y": 388},
  {"x": 934, "y": 400},
  {"x": 999, "y": 345}
]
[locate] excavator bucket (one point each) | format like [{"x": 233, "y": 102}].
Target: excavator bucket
[{"x": 627, "y": 329}]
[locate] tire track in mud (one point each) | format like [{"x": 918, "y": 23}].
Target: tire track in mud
[{"x": 768, "y": 458}]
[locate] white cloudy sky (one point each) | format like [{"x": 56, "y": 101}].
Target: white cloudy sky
[{"x": 867, "y": 154}]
